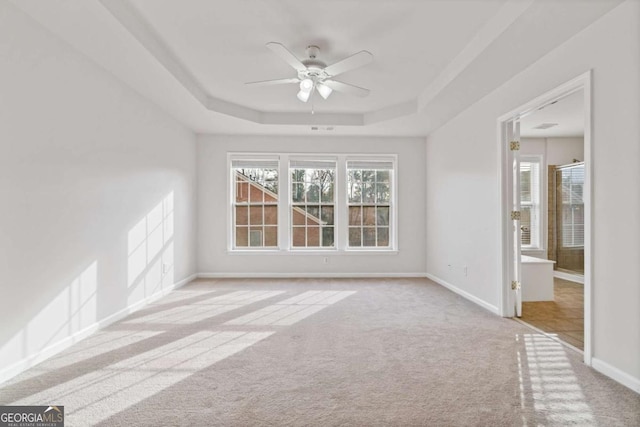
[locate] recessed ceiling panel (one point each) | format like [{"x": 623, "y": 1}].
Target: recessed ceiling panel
[{"x": 222, "y": 45}]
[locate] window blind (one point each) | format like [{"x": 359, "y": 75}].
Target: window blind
[
  {"x": 312, "y": 164},
  {"x": 254, "y": 164},
  {"x": 370, "y": 164}
]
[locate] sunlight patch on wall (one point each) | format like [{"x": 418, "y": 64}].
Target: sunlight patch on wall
[
  {"x": 72, "y": 310},
  {"x": 150, "y": 259}
]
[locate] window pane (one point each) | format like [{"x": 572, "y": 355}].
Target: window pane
[
  {"x": 383, "y": 236},
  {"x": 368, "y": 236},
  {"x": 255, "y": 193},
  {"x": 355, "y": 236},
  {"x": 313, "y": 236},
  {"x": 382, "y": 176},
  {"x": 313, "y": 215},
  {"x": 242, "y": 236},
  {"x": 355, "y": 192},
  {"x": 299, "y": 216},
  {"x": 270, "y": 214},
  {"x": 255, "y": 237},
  {"x": 382, "y": 193},
  {"x": 297, "y": 193},
  {"x": 327, "y": 215},
  {"x": 313, "y": 193},
  {"x": 242, "y": 192},
  {"x": 327, "y": 236},
  {"x": 383, "y": 215},
  {"x": 242, "y": 215},
  {"x": 369, "y": 215},
  {"x": 299, "y": 238},
  {"x": 355, "y": 215},
  {"x": 271, "y": 236},
  {"x": 255, "y": 215},
  {"x": 327, "y": 192},
  {"x": 368, "y": 193}
]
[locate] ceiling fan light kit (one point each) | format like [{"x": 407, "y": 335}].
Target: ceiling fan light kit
[{"x": 315, "y": 74}]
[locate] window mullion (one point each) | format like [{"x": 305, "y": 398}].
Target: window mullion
[{"x": 285, "y": 207}]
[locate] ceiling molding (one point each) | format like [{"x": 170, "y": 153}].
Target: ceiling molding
[
  {"x": 116, "y": 36},
  {"x": 130, "y": 18}
]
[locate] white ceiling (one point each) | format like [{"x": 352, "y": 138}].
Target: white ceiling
[
  {"x": 432, "y": 59},
  {"x": 567, "y": 113}
]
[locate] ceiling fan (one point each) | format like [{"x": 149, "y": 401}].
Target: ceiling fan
[{"x": 315, "y": 74}]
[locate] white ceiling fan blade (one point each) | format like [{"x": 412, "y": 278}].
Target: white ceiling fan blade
[
  {"x": 285, "y": 54},
  {"x": 346, "y": 88},
  {"x": 273, "y": 82},
  {"x": 352, "y": 62}
]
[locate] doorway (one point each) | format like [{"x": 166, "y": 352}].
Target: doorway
[{"x": 545, "y": 157}]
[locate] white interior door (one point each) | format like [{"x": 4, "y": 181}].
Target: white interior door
[{"x": 513, "y": 128}]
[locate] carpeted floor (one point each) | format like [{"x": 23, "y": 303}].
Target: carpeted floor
[{"x": 322, "y": 352}]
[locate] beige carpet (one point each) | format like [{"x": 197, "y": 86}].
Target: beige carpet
[{"x": 322, "y": 352}]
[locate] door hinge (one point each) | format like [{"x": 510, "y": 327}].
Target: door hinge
[
  {"x": 515, "y": 215},
  {"x": 514, "y": 145},
  {"x": 515, "y": 285}
]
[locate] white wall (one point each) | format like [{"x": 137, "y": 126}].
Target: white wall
[
  {"x": 213, "y": 257},
  {"x": 462, "y": 172},
  {"x": 84, "y": 163},
  {"x": 554, "y": 151}
]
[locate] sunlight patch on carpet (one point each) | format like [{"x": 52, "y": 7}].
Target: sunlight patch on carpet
[
  {"x": 130, "y": 381},
  {"x": 557, "y": 396},
  {"x": 292, "y": 310}
]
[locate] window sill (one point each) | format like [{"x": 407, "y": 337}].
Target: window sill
[{"x": 314, "y": 252}]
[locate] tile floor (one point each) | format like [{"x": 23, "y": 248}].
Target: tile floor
[{"x": 564, "y": 316}]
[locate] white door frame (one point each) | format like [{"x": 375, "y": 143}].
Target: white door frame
[{"x": 582, "y": 82}]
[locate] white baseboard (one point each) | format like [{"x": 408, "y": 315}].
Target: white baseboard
[
  {"x": 50, "y": 351},
  {"x": 307, "y": 275},
  {"x": 614, "y": 373},
  {"x": 464, "y": 294},
  {"x": 570, "y": 277}
]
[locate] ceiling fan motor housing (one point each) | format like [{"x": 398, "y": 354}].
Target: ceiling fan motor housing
[{"x": 315, "y": 67}]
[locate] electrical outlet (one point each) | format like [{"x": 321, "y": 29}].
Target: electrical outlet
[
  {"x": 465, "y": 270},
  {"x": 325, "y": 260}
]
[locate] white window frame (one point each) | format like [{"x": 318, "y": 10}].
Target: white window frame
[
  {"x": 341, "y": 212},
  {"x": 392, "y": 226},
  {"x": 231, "y": 189},
  {"x": 539, "y": 235},
  {"x": 319, "y": 158}
]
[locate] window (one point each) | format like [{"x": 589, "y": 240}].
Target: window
[
  {"x": 572, "y": 226},
  {"x": 369, "y": 201},
  {"x": 530, "y": 189},
  {"x": 312, "y": 203},
  {"x": 309, "y": 203},
  {"x": 255, "y": 203}
]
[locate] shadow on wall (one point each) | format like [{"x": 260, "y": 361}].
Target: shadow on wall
[{"x": 73, "y": 312}]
